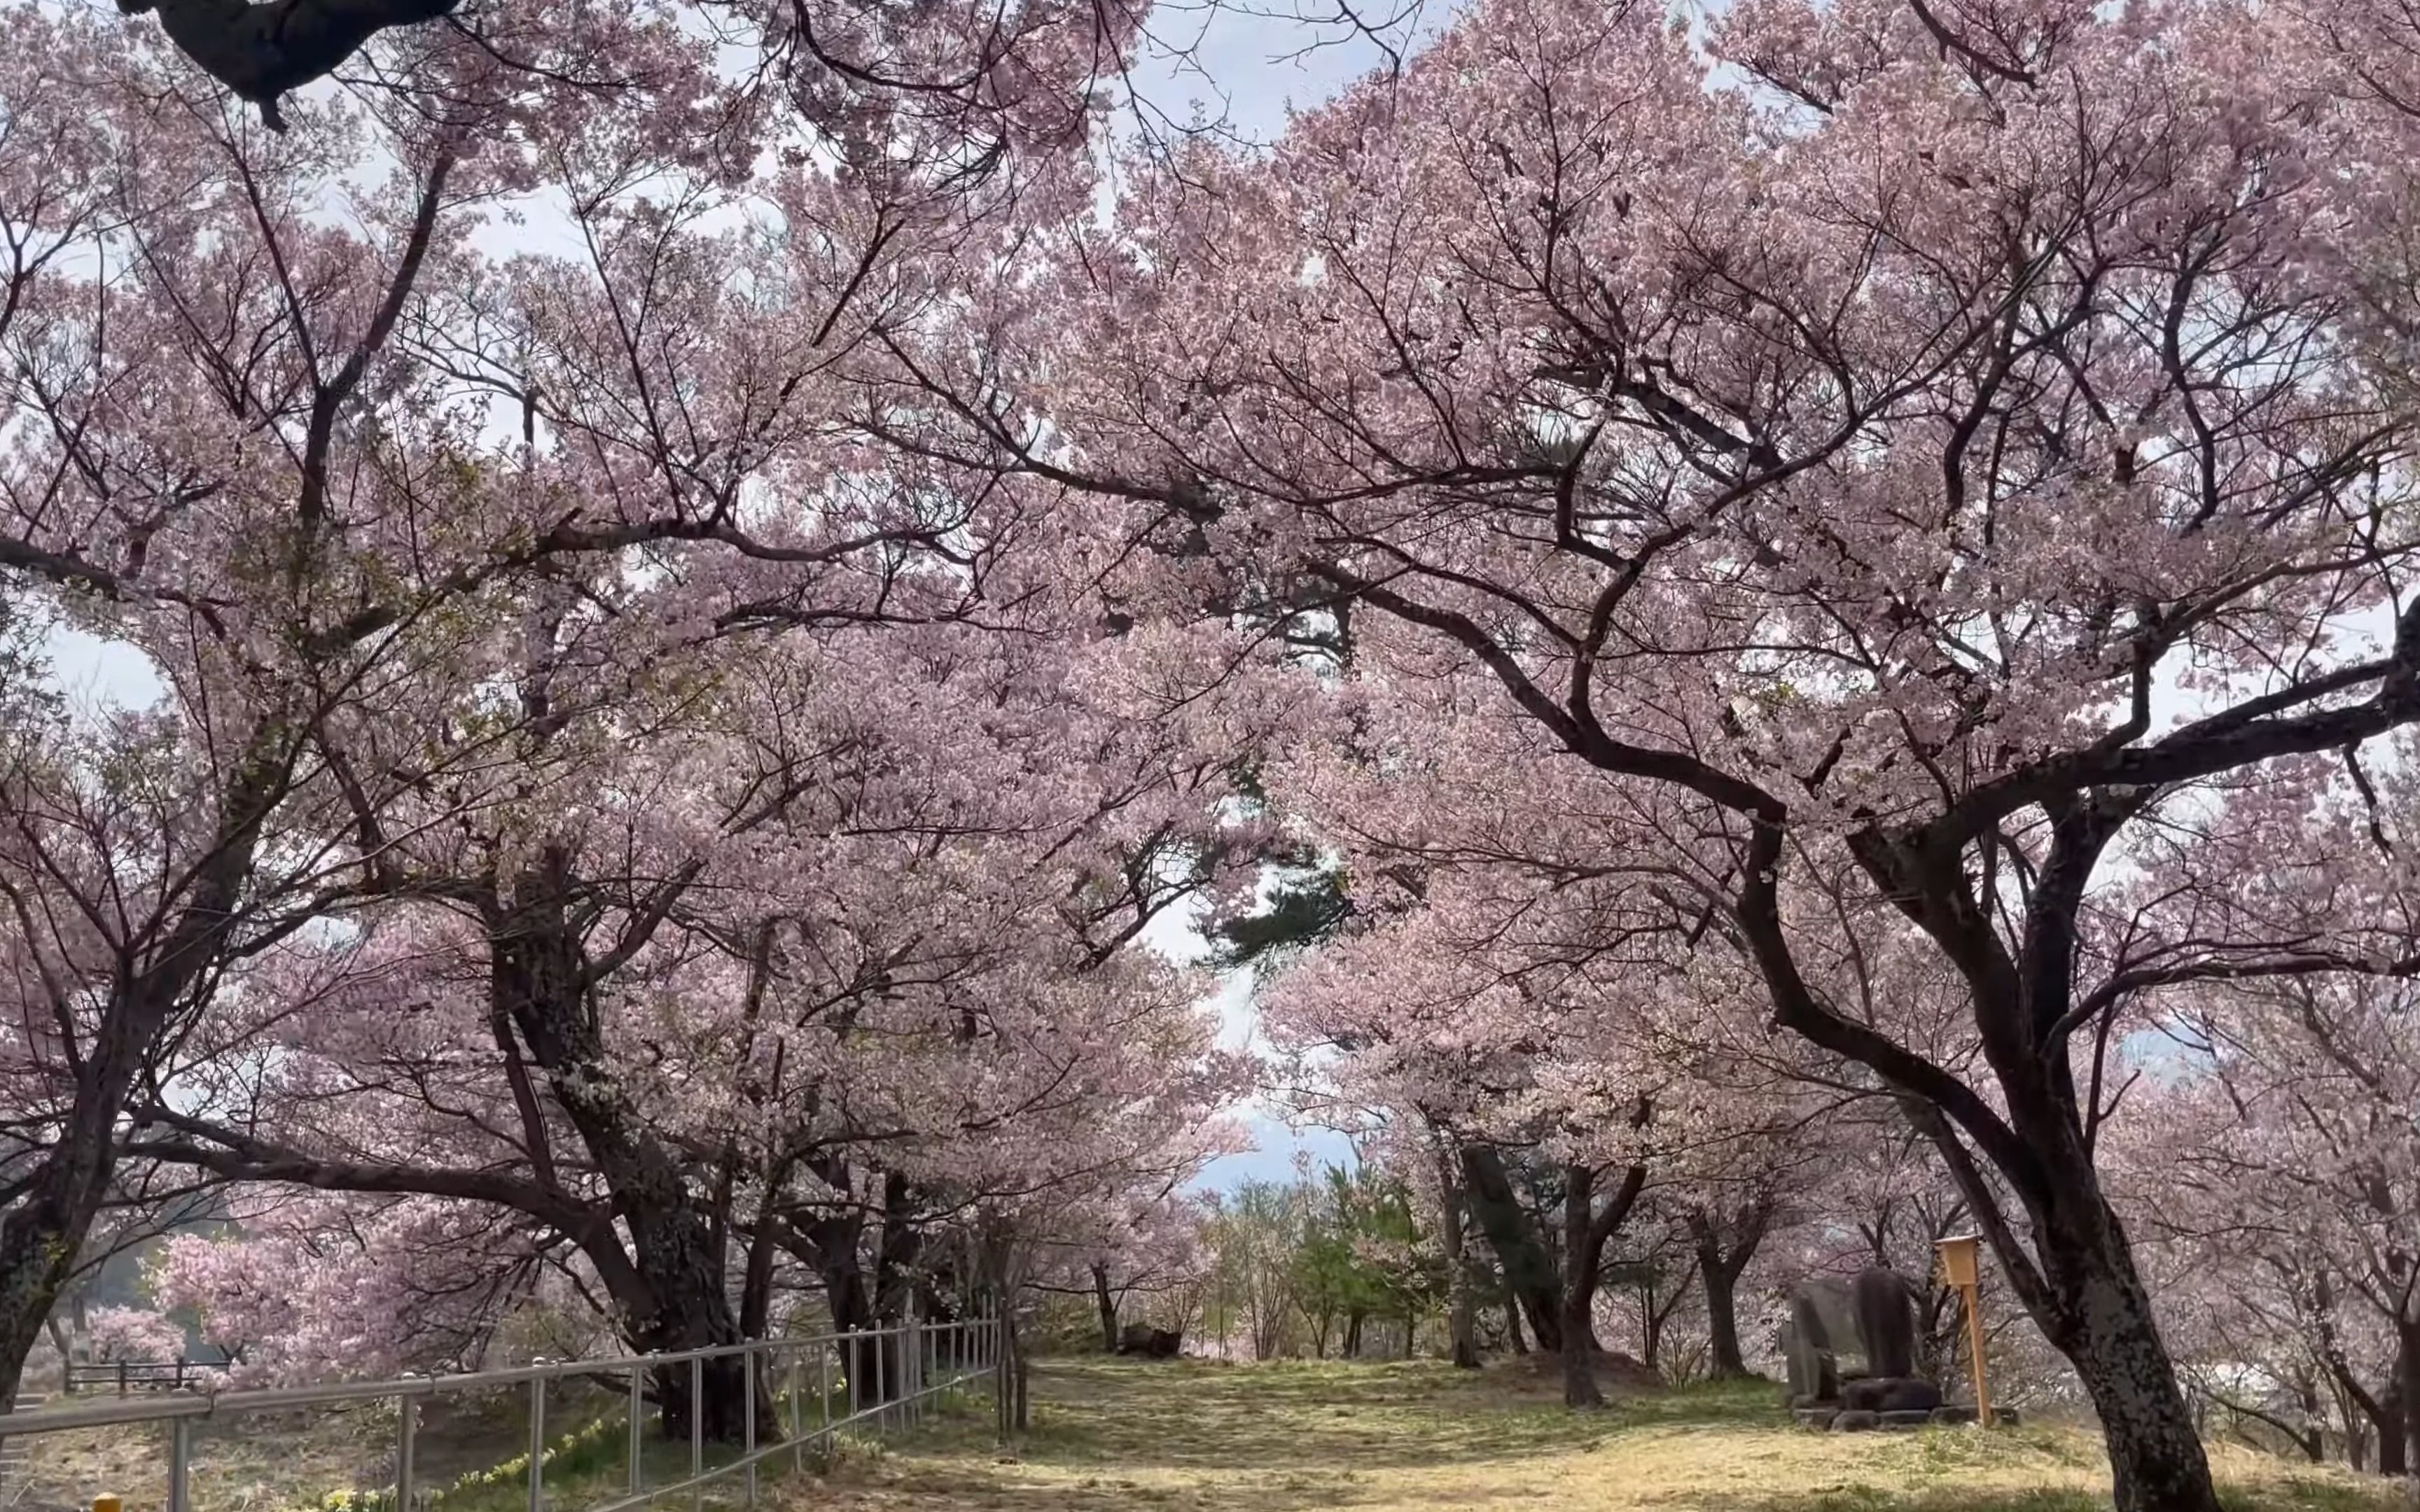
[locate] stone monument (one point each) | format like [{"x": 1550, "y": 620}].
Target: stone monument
[{"x": 1851, "y": 1350}]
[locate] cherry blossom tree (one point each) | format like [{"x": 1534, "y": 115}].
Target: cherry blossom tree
[
  {"x": 730, "y": 1008},
  {"x": 2294, "y": 1189},
  {"x": 379, "y": 507},
  {"x": 1913, "y": 476}
]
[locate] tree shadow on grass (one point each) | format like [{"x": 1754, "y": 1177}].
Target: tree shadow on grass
[
  {"x": 2284, "y": 1495},
  {"x": 1284, "y": 1416},
  {"x": 1202, "y": 1437}
]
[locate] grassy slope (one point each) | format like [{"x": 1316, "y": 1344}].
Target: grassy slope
[{"x": 1295, "y": 1437}]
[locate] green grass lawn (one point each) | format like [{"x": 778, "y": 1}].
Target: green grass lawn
[{"x": 1293, "y": 1437}]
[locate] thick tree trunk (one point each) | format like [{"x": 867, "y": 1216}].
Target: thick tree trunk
[
  {"x": 1722, "y": 1324},
  {"x": 2079, "y": 1283},
  {"x": 2407, "y": 1386},
  {"x": 2393, "y": 1442},
  {"x": 2077, "y": 1277},
  {"x": 1352, "y": 1335},
  {"x": 45, "y": 1231},
  {"x": 2155, "y": 1458},
  {"x": 1107, "y": 1306},
  {"x": 1724, "y": 1251},
  {"x": 540, "y": 984},
  {"x": 848, "y": 1296},
  {"x": 2098, "y": 1314},
  {"x": 1586, "y": 1230},
  {"x": 1579, "y": 1289},
  {"x": 2384, "y": 1410},
  {"x": 1527, "y": 1272}
]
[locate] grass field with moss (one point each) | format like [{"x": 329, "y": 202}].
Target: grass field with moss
[{"x": 1290, "y": 1437}]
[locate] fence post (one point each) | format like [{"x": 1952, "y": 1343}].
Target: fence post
[
  {"x": 823, "y": 1388},
  {"x": 538, "y": 1445},
  {"x": 696, "y": 1429},
  {"x": 638, "y": 1472},
  {"x": 121, "y": 1377},
  {"x": 180, "y": 1465},
  {"x": 998, "y": 1346},
  {"x": 407, "y": 1430},
  {"x": 798, "y": 1448},
  {"x": 748, "y": 1405}
]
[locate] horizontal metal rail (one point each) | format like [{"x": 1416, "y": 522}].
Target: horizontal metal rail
[
  {"x": 923, "y": 1361},
  {"x": 130, "y": 1374}
]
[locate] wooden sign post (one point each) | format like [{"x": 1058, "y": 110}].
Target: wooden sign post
[{"x": 1959, "y": 1268}]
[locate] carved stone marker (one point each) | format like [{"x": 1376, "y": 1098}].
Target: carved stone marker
[
  {"x": 1851, "y": 1346},
  {"x": 1886, "y": 1317}
]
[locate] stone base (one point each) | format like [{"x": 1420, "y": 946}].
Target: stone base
[
  {"x": 1847, "y": 1416},
  {"x": 1957, "y": 1413},
  {"x": 1890, "y": 1394}
]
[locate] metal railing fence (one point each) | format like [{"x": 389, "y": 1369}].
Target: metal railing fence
[
  {"x": 911, "y": 1364},
  {"x": 133, "y": 1375}
]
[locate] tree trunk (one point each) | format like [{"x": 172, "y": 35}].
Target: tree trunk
[
  {"x": 756, "y": 1289},
  {"x": 1020, "y": 1416},
  {"x": 2155, "y": 1460},
  {"x": 539, "y": 978},
  {"x": 828, "y": 1242},
  {"x": 1579, "y": 1289},
  {"x": 1462, "y": 1314},
  {"x": 2407, "y": 1386},
  {"x": 2096, "y": 1310},
  {"x": 2394, "y": 1443},
  {"x": 1586, "y": 1230},
  {"x": 850, "y": 1299},
  {"x": 1513, "y": 1323},
  {"x": 1108, "y": 1307},
  {"x": 1722, "y": 1322},
  {"x": 1719, "y": 1266},
  {"x": 1460, "y": 1285},
  {"x": 1651, "y": 1341},
  {"x": 43, "y": 1236},
  {"x": 2380, "y": 1411},
  {"x": 1529, "y": 1274},
  {"x": 1351, "y": 1336}
]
